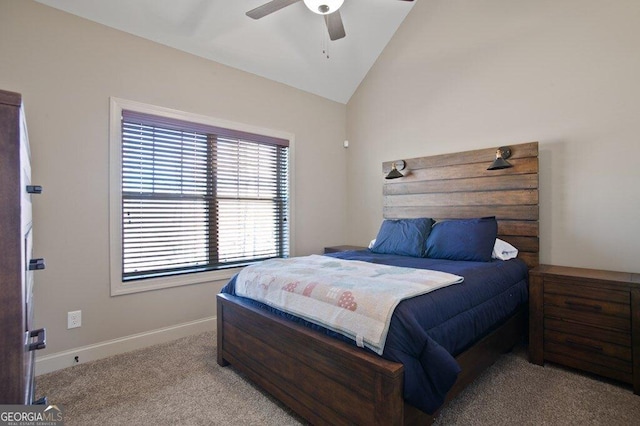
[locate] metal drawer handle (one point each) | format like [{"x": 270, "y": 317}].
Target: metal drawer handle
[
  {"x": 595, "y": 308},
  {"x": 583, "y": 345},
  {"x": 41, "y": 343},
  {"x": 36, "y": 264},
  {"x": 34, "y": 189}
]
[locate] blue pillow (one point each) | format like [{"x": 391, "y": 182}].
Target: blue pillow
[
  {"x": 405, "y": 237},
  {"x": 463, "y": 239}
]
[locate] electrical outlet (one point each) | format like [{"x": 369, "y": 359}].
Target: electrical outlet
[{"x": 74, "y": 319}]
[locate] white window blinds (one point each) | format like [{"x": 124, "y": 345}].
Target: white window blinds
[{"x": 198, "y": 198}]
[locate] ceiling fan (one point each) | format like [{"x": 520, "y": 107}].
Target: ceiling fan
[{"x": 328, "y": 8}]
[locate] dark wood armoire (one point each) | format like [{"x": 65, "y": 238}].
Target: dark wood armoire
[{"x": 18, "y": 341}]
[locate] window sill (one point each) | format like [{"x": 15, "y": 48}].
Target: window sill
[{"x": 119, "y": 288}]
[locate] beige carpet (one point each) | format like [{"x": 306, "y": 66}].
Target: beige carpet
[{"x": 179, "y": 383}]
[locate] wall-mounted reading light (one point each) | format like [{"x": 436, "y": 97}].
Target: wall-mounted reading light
[
  {"x": 501, "y": 162},
  {"x": 395, "y": 166}
]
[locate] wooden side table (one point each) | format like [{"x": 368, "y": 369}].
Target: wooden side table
[
  {"x": 586, "y": 319},
  {"x": 336, "y": 249}
]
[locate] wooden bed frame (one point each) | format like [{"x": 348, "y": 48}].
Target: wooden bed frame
[{"x": 327, "y": 381}]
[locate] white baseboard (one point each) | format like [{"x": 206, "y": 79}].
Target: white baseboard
[{"x": 60, "y": 360}]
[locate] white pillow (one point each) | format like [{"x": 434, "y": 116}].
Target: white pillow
[
  {"x": 371, "y": 244},
  {"x": 503, "y": 250}
]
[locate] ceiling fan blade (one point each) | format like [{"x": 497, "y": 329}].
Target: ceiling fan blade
[
  {"x": 334, "y": 25},
  {"x": 269, "y": 8}
]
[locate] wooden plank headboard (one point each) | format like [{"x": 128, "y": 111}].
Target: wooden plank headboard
[{"x": 459, "y": 186}]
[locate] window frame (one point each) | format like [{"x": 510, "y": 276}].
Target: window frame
[{"x": 117, "y": 285}]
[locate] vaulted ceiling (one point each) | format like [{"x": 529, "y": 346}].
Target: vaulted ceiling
[{"x": 290, "y": 46}]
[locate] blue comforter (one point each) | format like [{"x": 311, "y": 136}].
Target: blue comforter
[{"x": 428, "y": 331}]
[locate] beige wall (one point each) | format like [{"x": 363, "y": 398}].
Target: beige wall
[
  {"x": 467, "y": 74},
  {"x": 67, "y": 68}
]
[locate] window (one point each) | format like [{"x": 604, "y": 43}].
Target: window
[{"x": 194, "y": 198}]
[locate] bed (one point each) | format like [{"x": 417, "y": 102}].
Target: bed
[{"x": 330, "y": 381}]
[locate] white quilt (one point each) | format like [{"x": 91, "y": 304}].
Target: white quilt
[{"x": 354, "y": 298}]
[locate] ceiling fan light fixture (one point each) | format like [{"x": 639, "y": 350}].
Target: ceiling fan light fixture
[{"x": 323, "y": 7}]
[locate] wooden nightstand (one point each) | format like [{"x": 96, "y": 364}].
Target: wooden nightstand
[
  {"x": 586, "y": 319},
  {"x": 336, "y": 249}
]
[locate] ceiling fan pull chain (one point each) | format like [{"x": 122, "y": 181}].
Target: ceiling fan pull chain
[{"x": 324, "y": 37}]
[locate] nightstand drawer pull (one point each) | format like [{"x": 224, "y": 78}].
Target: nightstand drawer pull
[
  {"x": 587, "y": 306},
  {"x": 584, "y": 345}
]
